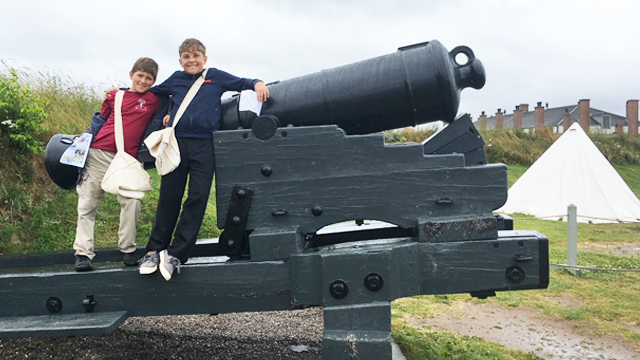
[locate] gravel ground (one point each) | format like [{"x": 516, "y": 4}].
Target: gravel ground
[{"x": 259, "y": 335}]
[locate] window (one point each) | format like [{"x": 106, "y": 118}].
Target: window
[{"x": 606, "y": 122}]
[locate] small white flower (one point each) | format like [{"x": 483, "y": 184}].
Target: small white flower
[{"x": 8, "y": 123}]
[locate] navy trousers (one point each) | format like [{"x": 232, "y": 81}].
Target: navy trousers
[{"x": 197, "y": 166}]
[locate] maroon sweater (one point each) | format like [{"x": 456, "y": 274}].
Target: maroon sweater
[{"x": 137, "y": 109}]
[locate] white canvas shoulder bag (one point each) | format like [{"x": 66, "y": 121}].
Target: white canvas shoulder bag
[
  {"x": 126, "y": 175},
  {"x": 162, "y": 144}
]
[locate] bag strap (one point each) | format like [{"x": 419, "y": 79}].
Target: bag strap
[
  {"x": 190, "y": 95},
  {"x": 118, "y": 121}
]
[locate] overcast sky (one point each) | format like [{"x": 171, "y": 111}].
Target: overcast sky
[{"x": 555, "y": 51}]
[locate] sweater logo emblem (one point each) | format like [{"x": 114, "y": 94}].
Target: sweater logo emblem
[{"x": 141, "y": 106}]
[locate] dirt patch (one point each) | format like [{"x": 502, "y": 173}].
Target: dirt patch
[
  {"x": 619, "y": 249},
  {"x": 524, "y": 329},
  {"x": 567, "y": 300}
]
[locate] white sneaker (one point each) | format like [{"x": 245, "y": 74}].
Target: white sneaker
[
  {"x": 168, "y": 264},
  {"x": 149, "y": 263}
]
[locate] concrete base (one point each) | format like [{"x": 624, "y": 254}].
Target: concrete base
[
  {"x": 357, "y": 332},
  {"x": 396, "y": 353}
]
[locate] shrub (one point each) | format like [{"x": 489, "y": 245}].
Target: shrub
[{"x": 22, "y": 115}]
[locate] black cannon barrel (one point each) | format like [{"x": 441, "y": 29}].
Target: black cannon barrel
[
  {"x": 417, "y": 84},
  {"x": 62, "y": 175}
]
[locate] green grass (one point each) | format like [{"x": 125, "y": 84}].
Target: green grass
[
  {"x": 514, "y": 172},
  {"x": 445, "y": 345},
  {"x": 631, "y": 175},
  {"x": 52, "y": 224},
  {"x": 609, "y": 300}
]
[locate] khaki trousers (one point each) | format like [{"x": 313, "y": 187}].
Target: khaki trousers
[{"x": 90, "y": 194}]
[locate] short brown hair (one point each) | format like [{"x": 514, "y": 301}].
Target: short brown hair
[
  {"x": 147, "y": 65},
  {"x": 192, "y": 45}
]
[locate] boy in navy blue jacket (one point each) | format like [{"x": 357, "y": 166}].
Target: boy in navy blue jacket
[{"x": 194, "y": 133}]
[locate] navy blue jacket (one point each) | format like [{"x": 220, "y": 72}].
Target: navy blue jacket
[{"x": 202, "y": 116}]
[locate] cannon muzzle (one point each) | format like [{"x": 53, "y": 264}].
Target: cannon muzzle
[{"x": 417, "y": 84}]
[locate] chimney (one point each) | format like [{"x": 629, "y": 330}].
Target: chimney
[
  {"x": 632, "y": 117},
  {"x": 584, "y": 114},
  {"x": 499, "y": 119},
  {"x": 539, "y": 117},
  {"x": 566, "y": 120},
  {"x": 517, "y": 118},
  {"x": 524, "y": 107},
  {"x": 482, "y": 121}
]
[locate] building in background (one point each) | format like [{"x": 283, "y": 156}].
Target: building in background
[{"x": 559, "y": 119}]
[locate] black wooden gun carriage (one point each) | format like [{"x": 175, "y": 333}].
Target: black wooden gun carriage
[{"x": 313, "y": 158}]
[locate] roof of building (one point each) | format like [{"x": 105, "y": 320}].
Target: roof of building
[{"x": 555, "y": 116}]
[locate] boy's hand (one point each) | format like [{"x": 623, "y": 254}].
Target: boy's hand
[
  {"x": 165, "y": 119},
  {"x": 108, "y": 92},
  {"x": 262, "y": 91}
]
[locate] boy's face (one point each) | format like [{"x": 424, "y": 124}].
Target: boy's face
[
  {"x": 141, "y": 81},
  {"x": 192, "y": 61}
]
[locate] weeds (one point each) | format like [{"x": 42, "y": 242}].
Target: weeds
[
  {"x": 516, "y": 147},
  {"x": 621, "y": 149},
  {"x": 408, "y": 135}
]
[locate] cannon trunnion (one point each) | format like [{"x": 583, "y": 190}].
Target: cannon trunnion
[{"x": 415, "y": 218}]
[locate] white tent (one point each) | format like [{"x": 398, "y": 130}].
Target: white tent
[{"x": 573, "y": 171}]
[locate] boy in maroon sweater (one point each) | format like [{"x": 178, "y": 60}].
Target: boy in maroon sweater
[{"x": 138, "y": 106}]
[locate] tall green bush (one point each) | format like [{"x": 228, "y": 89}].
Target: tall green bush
[{"x": 22, "y": 115}]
